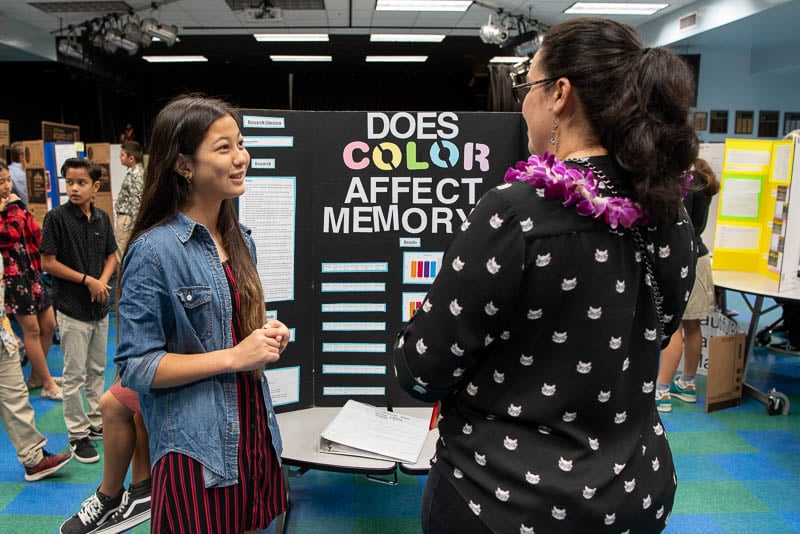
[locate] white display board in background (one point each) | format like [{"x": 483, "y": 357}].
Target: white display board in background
[
  {"x": 790, "y": 266},
  {"x": 714, "y": 154}
]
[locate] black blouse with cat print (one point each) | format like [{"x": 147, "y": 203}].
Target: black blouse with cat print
[{"x": 539, "y": 335}]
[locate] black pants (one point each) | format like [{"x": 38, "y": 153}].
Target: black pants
[{"x": 444, "y": 510}]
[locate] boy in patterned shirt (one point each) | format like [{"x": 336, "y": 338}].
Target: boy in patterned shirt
[
  {"x": 130, "y": 194},
  {"x": 78, "y": 250}
]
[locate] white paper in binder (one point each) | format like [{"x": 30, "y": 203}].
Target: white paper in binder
[{"x": 363, "y": 430}]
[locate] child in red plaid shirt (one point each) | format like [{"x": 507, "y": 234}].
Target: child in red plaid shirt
[{"x": 26, "y": 297}]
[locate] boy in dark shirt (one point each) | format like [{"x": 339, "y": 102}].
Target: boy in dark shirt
[{"x": 78, "y": 250}]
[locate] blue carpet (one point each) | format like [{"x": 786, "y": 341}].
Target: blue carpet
[{"x": 738, "y": 469}]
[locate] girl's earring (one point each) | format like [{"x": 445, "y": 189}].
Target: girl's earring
[{"x": 553, "y": 136}]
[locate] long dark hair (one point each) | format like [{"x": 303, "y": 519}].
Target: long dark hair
[
  {"x": 705, "y": 178},
  {"x": 180, "y": 129},
  {"x": 636, "y": 99}
]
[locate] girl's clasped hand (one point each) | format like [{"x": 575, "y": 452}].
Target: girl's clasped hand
[{"x": 263, "y": 346}]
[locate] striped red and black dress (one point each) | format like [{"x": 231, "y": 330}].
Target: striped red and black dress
[{"x": 182, "y": 504}]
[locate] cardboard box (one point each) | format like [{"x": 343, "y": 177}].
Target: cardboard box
[
  {"x": 37, "y": 179},
  {"x": 714, "y": 324},
  {"x": 56, "y": 132},
  {"x": 726, "y": 359},
  {"x": 100, "y": 154},
  {"x": 5, "y": 138}
]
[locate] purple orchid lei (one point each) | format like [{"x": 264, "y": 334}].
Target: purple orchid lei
[{"x": 577, "y": 186}]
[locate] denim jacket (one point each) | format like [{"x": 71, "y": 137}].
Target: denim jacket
[{"x": 175, "y": 298}]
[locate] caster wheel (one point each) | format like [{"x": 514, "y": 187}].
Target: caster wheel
[{"x": 777, "y": 403}]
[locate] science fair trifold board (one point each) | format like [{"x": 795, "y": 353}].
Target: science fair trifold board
[
  {"x": 351, "y": 213},
  {"x": 758, "y": 219}
]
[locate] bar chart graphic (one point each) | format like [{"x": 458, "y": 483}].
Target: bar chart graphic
[
  {"x": 421, "y": 267},
  {"x": 411, "y": 302}
]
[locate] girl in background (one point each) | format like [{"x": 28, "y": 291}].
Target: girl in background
[
  {"x": 26, "y": 298},
  {"x": 688, "y": 339}
]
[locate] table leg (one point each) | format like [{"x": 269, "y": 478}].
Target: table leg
[{"x": 757, "y": 310}]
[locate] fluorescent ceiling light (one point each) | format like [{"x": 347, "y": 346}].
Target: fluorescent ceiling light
[
  {"x": 301, "y": 58},
  {"x": 423, "y": 5},
  {"x": 396, "y": 59},
  {"x": 405, "y": 38},
  {"x": 613, "y": 8},
  {"x": 175, "y": 59},
  {"x": 508, "y": 59},
  {"x": 290, "y": 37}
]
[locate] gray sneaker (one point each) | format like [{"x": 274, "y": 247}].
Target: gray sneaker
[{"x": 94, "y": 511}]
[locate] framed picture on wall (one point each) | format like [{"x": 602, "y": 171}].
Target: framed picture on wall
[
  {"x": 719, "y": 122},
  {"x": 700, "y": 120},
  {"x": 791, "y": 122},
  {"x": 743, "y": 123},
  {"x": 768, "y": 124}
]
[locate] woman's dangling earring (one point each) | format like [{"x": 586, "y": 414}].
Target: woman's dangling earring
[{"x": 555, "y": 127}]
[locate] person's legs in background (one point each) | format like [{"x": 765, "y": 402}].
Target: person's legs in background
[
  {"x": 683, "y": 387},
  {"x": 690, "y": 345},
  {"x": 113, "y": 509},
  {"x": 75, "y": 336},
  {"x": 95, "y": 373},
  {"x": 687, "y": 340},
  {"x": 18, "y": 418},
  {"x": 119, "y": 442},
  {"x": 122, "y": 233},
  {"x": 791, "y": 323},
  {"x": 670, "y": 357},
  {"x": 135, "y": 506},
  {"x": 37, "y": 332}
]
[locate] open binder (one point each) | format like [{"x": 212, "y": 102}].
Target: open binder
[{"x": 367, "y": 431}]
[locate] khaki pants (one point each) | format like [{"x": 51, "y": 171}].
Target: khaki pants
[
  {"x": 17, "y": 413},
  {"x": 84, "y": 347},
  {"x": 122, "y": 233}
]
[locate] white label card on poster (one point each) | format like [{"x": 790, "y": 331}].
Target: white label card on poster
[
  {"x": 284, "y": 385},
  {"x": 269, "y": 210},
  {"x": 737, "y": 198},
  {"x": 738, "y": 237}
]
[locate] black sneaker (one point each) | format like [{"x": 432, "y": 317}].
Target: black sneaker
[
  {"x": 96, "y": 434},
  {"x": 95, "y": 511},
  {"x": 83, "y": 451},
  {"x": 133, "y": 511},
  {"x": 49, "y": 464}
]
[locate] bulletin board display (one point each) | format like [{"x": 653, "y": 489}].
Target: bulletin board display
[
  {"x": 351, "y": 213},
  {"x": 753, "y": 232}
]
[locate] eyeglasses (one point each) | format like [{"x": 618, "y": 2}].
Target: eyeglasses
[{"x": 520, "y": 90}]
